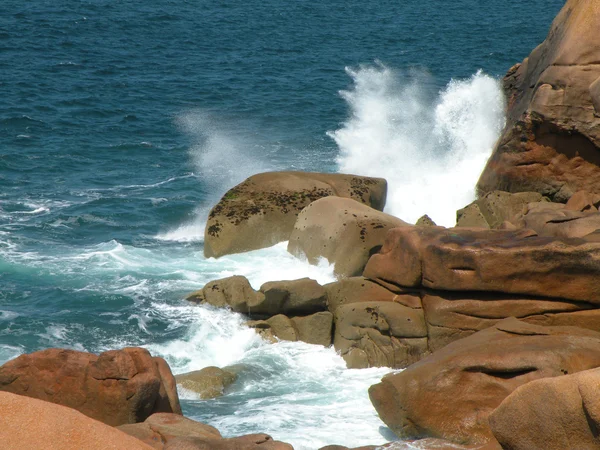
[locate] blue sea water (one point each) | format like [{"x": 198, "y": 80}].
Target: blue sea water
[{"x": 121, "y": 123}]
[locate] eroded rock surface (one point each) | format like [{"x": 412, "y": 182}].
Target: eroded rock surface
[
  {"x": 513, "y": 262},
  {"x": 28, "y": 423},
  {"x": 551, "y": 140},
  {"x": 551, "y": 414},
  {"x": 495, "y": 208},
  {"x": 116, "y": 387},
  {"x": 262, "y": 210},
  {"x": 292, "y": 297},
  {"x": 380, "y": 334},
  {"x": 170, "y": 431},
  {"x": 451, "y": 393},
  {"x": 343, "y": 231},
  {"x": 314, "y": 329}
]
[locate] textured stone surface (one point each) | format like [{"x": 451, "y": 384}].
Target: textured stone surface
[
  {"x": 380, "y": 334},
  {"x": 27, "y": 423},
  {"x": 455, "y": 315},
  {"x": 303, "y": 296},
  {"x": 551, "y": 140},
  {"x": 494, "y": 208},
  {"x": 116, "y": 387},
  {"x": 551, "y": 414},
  {"x": 262, "y": 210},
  {"x": 209, "y": 382},
  {"x": 515, "y": 262},
  {"x": 314, "y": 329},
  {"x": 172, "y": 432},
  {"x": 559, "y": 221},
  {"x": 360, "y": 289},
  {"x": 451, "y": 393},
  {"x": 343, "y": 231}
]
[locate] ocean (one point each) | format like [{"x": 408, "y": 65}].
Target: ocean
[{"x": 122, "y": 123}]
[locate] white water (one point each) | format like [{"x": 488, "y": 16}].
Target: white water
[
  {"x": 297, "y": 392},
  {"x": 430, "y": 150}
]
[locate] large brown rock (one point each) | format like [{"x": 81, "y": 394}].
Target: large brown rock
[
  {"x": 551, "y": 414},
  {"x": 314, "y": 329},
  {"x": 343, "y": 231},
  {"x": 551, "y": 140},
  {"x": 451, "y": 393},
  {"x": 27, "y": 423},
  {"x": 380, "y": 334},
  {"x": 557, "y": 220},
  {"x": 116, "y": 387},
  {"x": 515, "y": 262},
  {"x": 360, "y": 289},
  {"x": 494, "y": 208},
  {"x": 262, "y": 210},
  {"x": 293, "y": 297},
  {"x": 173, "y": 432},
  {"x": 455, "y": 315}
]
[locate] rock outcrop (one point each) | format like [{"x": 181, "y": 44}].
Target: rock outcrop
[
  {"x": 28, "y": 423},
  {"x": 559, "y": 221},
  {"x": 513, "y": 262},
  {"x": 343, "y": 231},
  {"x": 293, "y": 297},
  {"x": 380, "y": 334},
  {"x": 209, "y": 382},
  {"x": 314, "y": 329},
  {"x": 551, "y": 140},
  {"x": 451, "y": 393},
  {"x": 171, "y": 431},
  {"x": 495, "y": 208},
  {"x": 262, "y": 210},
  {"x": 551, "y": 414},
  {"x": 116, "y": 387}
]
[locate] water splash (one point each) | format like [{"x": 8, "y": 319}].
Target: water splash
[
  {"x": 431, "y": 149},
  {"x": 221, "y": 159}
]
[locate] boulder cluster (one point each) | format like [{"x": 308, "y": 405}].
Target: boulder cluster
[{"x": 495, "y": 322}]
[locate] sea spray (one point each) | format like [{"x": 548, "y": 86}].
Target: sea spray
[
  {"x": 221, "y": 159},
  {"x": 431, "y": 149}
]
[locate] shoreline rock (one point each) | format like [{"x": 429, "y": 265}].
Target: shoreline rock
[
  {"x": 262, "y": 210},
  {"x": 116, "y": 387}
]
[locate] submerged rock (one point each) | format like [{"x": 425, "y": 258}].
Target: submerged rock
[
  {"x": 115, "y": 387},
  {"x": 551, "y": 142},
  {"x": 209, "y": 382},
  {"x": 262, "y": 210},
  {"x": 343, "y": 231},
  {"x": 450, "y": 393}
]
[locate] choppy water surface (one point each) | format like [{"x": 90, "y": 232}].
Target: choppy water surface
[{"x": 123, "y": 122}]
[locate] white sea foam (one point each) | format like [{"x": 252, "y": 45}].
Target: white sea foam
[
  {"x": 297, "y": 392},
  {"x": 189, "y": 232},
  {"x": 430, "y": 149}
]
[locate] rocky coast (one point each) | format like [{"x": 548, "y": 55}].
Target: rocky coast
[{"x": 491, "y": 328}]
